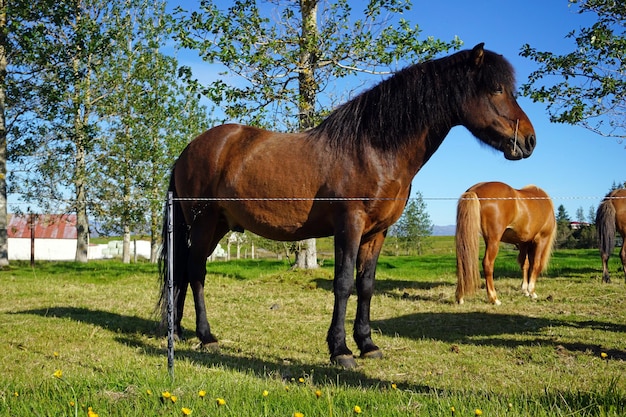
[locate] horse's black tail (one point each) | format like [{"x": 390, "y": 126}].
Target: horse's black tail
[
  {"x": 605, "y": 224},
  {"x": 180, "y": 252}
]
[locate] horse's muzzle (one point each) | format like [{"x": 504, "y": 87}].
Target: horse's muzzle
[{"x": 519, "y": 150}]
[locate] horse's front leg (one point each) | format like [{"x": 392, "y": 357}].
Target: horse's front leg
[
  {"x": 346, "y": 247},
  {"x": 365, "y": 277}
]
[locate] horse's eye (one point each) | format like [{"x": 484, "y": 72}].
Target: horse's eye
[{"x": 498, "y": 90}]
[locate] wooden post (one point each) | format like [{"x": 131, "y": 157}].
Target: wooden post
[{"x": 31, "y": 219}]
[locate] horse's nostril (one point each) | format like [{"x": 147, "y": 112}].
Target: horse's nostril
[{"x": 531, "y": 141}]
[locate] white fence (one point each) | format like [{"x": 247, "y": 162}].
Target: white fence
[{"x": 65, "y": 249}]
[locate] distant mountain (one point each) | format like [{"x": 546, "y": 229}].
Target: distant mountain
[{"x": 448, "y": 230}]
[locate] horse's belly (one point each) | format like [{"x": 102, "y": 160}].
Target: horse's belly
[{"x": 284, "y": 222}]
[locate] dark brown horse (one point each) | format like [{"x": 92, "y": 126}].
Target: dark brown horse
[
  {"x": 500, "y": 213},
  {"x": 348, "y": 177},
  {"x": 611, "y": 218}
]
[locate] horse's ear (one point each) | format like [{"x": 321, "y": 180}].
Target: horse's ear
[{"x": 478, "y": 54}]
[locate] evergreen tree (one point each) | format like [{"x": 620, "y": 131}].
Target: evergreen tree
[
  {"x": 414, "y": 225},
  {"x": 564, "y": 235}
]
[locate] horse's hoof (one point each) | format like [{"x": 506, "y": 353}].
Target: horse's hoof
[
  {"x": 497, "y": 302},
  {"x": 212, "y": 347},
  {"x": 460, "y": 301},
  {"x": 372, "y": 354},
  {"x": 345, "y": 361}
]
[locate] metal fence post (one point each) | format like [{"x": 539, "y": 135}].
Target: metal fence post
[{"x": 170, "y": 283}]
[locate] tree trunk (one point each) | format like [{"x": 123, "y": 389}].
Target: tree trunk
[
  {"x": 4, "y": 245},
  {"x": 126, "y": 245},
  {"x": 306, "y": 257},
  {"x": 82, "y": 221}
]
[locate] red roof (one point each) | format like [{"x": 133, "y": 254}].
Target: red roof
[{"x": 48, "y": 226}]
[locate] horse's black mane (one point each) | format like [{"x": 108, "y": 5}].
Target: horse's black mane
[{"x": 421, "y": 95}]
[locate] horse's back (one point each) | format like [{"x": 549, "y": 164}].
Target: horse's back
[
  {"x": 618, "y": 199},
  {"x": 514, "y": 215}
]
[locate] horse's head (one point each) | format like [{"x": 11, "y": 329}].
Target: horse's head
[{"x": 491, "y": 111}]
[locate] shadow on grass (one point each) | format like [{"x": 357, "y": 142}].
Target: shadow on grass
[
  {"x": 131, "y": 331},
  {"x": 114, "y": 322},
  {"x": 473, "y": 328},
  {"x": 489, "y": 329}
]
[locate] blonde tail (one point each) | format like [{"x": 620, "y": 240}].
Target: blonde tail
[{"x": 467, "y": 245}]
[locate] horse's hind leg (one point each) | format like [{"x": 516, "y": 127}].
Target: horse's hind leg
[
  {"x": 622, "y": 255},
  {"x": 522, "y": 260},
  {"x": 365, "y": 276},
  {"x": 606, "y": 276},
  {"x": 491, "y": 251},
  {"x": 206, "y": 233}
]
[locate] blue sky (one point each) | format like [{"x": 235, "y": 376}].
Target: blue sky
[{"x": 574, "y": 166}]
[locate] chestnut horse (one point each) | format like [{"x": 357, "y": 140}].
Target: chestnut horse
[
  {"x": 500, "y": 213},
  {"x": 349, "y": 177},
  {"x": 611, "y": 215}
]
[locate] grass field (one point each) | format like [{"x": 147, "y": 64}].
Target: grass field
[{"x": 93, "y": 325}]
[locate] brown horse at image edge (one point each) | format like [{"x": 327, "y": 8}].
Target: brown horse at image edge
[
  {"x": 501, "y": 213},
  {"x": 611, "y": 218},
  {"x": 349, "y": 177}
]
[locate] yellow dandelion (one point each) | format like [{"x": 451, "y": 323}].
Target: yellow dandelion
[
  {"x": 220, "y": 401},
  {"x": 55, "y": 354},
  {"x": 266, "y": 393},
  {"x": 394, "y": 386},
  {"x": 510, "y": 406},
  {"x": 318, "y": 393},
  {"x": 301, "y": 380},
  {"x": 453, "y": 410},
  {"x": 90, "y": 413},
  {"x": 357, "y": 409},
  {"x": 603, "y": 355},
  {"x": 298, "y": 414},
  {"x": 173, "y": 398},
  {"x": 186, "y": 411},
  {"x": 202, "y": 393},
  {"x": 58, "y": 373},
  {"x": 166, "y": 394},
  {"x": 72, "y": 403},
  {"x": 16, "y": 394},
  {"x": 286, "y": 388},
  {"x": 149, "y": 392},
  {"x": 478, "y": 412}
]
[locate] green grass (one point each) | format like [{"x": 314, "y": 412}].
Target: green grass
[{"x": 96, "y": 323}]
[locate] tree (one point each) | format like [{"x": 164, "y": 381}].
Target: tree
[
  {"x": 102, "y": 112},
  {"x": 279, "y": 73},
  {"x": 66, "y": 45},
  {"x": 149, "y": 117},
  {"x": 20, "y": 28},
  {"x": 564, "y": 238},
  {"x": 4, "y": 238},
  {"x": 414, "y": 225},
  {"x": 586, "y": 87}
]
